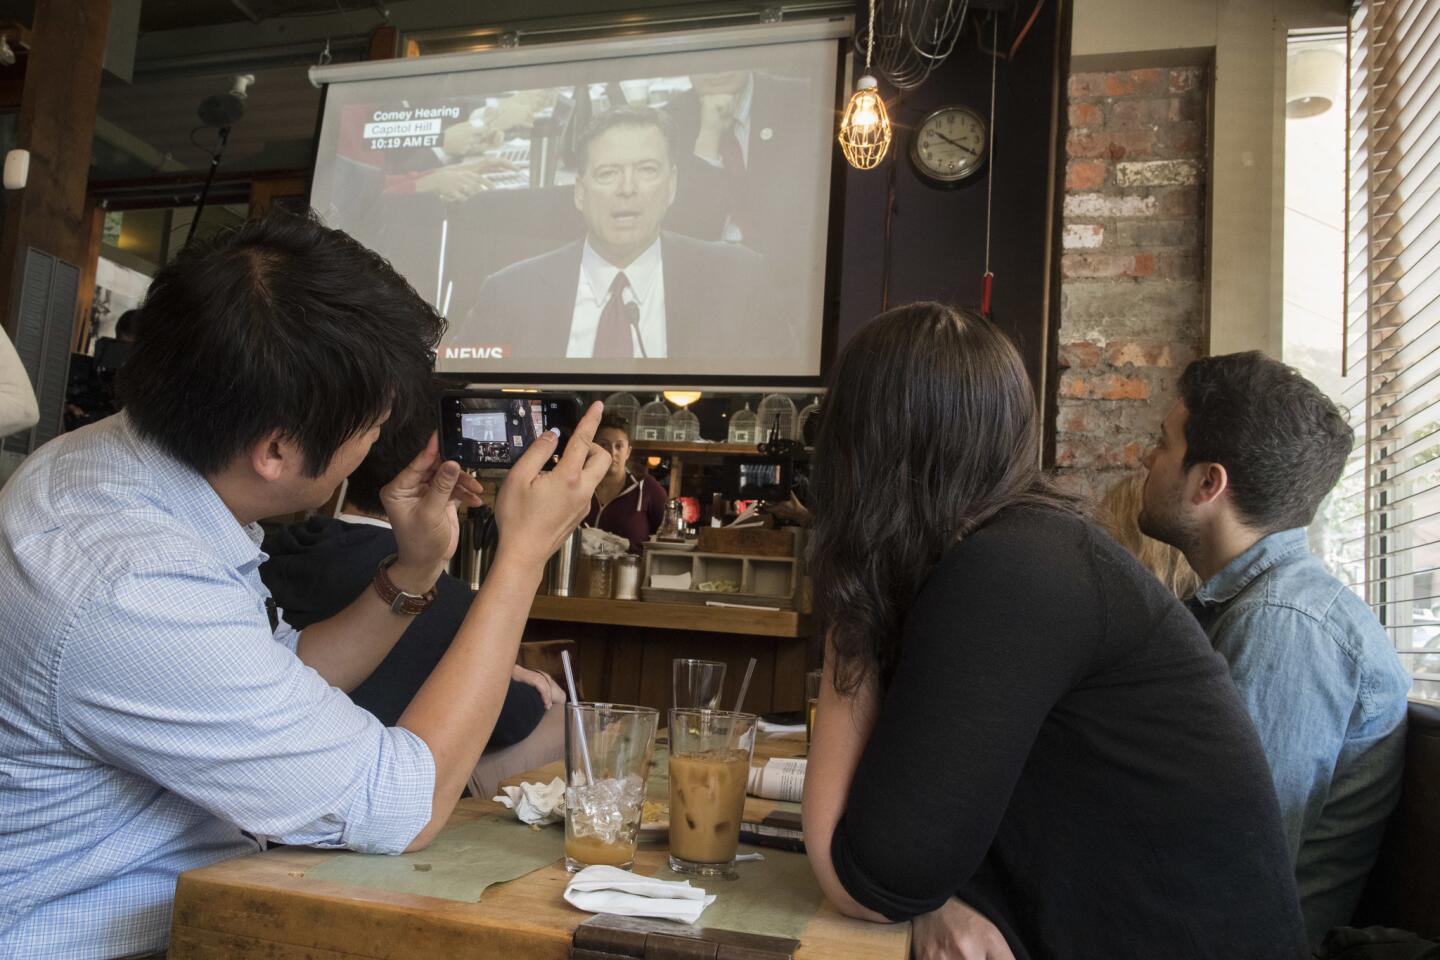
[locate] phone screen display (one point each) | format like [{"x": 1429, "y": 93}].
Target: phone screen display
[{"x": 495, "y": 430}]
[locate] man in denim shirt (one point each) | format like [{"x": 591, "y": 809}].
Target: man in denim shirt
[{"x": 1243, "y": 461}]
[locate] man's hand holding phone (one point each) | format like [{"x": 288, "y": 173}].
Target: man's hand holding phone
[{"x": 536, "y": 508}]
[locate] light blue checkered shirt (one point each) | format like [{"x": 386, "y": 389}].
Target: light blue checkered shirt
[{"x": 148, "y": 715}]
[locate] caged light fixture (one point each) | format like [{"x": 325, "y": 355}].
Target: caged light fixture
[{"x": 865, "y": 127}]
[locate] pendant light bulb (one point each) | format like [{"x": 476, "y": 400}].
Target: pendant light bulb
[{"x": 865, "y": 127}]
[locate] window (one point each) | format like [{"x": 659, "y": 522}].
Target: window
[{"x": 1392, "y": 318}]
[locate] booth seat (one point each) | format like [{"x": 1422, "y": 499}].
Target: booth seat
[{"x": 1404, "y": 887}]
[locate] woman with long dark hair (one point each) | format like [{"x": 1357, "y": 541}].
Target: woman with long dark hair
[{"x": 1023, "y": 742}]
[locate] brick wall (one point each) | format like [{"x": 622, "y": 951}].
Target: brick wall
[{"x": 1132, "y": 292}]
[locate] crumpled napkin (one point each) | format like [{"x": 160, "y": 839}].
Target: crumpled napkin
[
  {"x": 536, "y": 802},
  {"x": 601, "y": 889}
]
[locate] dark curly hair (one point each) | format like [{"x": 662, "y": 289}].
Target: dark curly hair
[
  {"x": 1282, "y": 442},
  {"x": 930, "y": 429}
]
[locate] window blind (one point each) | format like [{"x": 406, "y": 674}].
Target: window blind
[{"x": 1392, "y": 321}]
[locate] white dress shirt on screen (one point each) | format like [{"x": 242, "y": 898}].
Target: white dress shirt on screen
[{"x": 647, "y": 290}]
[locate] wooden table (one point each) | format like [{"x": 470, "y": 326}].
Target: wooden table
[{"x": 264, "y": 906}]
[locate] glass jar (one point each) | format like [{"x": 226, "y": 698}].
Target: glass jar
[
  {"x": 742, "y": 427},
  {"x": 776, "y": 418},
  {"x": 673, "y": 526},
  {"x": 627, "y": 577},
  {"x": 601, "y": 582}
]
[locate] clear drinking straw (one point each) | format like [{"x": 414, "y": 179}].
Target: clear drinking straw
[
  {"x": 580, "y": 720},
  {"x": 745, "y": 686}
]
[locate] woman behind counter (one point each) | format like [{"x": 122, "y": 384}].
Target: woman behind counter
[
  {"x": 623, "y": 505},
  {"x": 1023, "y": 741}
]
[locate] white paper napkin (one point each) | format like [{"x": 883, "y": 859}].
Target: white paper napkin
[
  {"x": 602, "y": 889},
  {"x": 670, "y": 581},
  {"x": 536, "y": 802}
]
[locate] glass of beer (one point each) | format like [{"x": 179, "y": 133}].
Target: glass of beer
[
  {"x": 697, "y": 683},
  {"x": 709, "y": 766},
  {"x": 607, "y": 759},
  {"x": 812, "y": 697}
]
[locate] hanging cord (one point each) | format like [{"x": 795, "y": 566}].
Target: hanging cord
[
  {"x": 987, "y": 282},
  {"x": 887, "y": 259},
  {"x": 870, "y": 36}
]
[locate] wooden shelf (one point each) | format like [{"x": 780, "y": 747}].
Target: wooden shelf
[
  {"x": 672, "y": 616},
  {"x": 690, "y": 447}
]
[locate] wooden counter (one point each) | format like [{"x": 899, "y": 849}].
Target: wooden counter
[
  {"x": 624, "y": 648},
  {"x": 672, "y": 616}
]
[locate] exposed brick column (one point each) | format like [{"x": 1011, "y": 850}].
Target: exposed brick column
[{"x": 1132, "y": 293}]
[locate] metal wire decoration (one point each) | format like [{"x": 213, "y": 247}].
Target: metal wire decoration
[
  {"x": 915, "y": 37},
  {"x": 865, "y": 127}
]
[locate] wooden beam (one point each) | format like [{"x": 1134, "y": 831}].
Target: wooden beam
[
  {"x": 95, "y": 222},
  {"x": 57, "y": 121},
  {"x": 265, "y": 191},
  {"x": 384, "y": 43}
]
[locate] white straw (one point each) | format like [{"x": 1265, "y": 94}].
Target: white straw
[
  {"x": 580, "y": 719},
  {"x": 744, "y": 686}
]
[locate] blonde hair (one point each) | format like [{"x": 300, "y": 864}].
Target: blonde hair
[{"x": 1119, "y": 512}]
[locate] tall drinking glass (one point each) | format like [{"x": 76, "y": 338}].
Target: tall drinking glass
[
  {"x": 710, "y": 754},
  {"x": 697, "y": 683},
  {"x": 607, "y": 758}
]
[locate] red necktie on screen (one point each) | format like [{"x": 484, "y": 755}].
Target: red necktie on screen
[{"x": 612, "y": 339}]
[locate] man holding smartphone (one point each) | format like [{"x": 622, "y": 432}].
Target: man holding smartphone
[{"x": 160, "y": 713}]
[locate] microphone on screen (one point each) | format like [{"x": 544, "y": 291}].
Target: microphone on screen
[{"x": 632, "y": 315}]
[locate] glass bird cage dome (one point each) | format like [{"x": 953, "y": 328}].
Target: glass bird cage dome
[
  {"x": 653, "y": 421},
  {"x": 806, "y": 426},
  {"x": 624, "y": 406},
  {"x": 776, "y": 418},
  {"x": 743, "y": 427},
  {"x": 684, "y": 426}
]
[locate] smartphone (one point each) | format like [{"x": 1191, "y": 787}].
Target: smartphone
[{"x": 492, "y": 430}]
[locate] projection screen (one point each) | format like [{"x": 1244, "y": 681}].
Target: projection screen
[{"x": 647, "y": 207}]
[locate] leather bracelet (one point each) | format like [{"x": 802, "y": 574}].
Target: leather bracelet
[{"x": 396, "y": 599}]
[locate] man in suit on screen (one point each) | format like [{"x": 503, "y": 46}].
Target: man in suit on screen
[{"x": 629, "y": 289}]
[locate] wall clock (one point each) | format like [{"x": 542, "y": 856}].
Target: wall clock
[{"x": 950, "y": 145}]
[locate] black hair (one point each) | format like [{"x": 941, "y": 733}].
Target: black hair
[
  {"x": 1282, "y": 441},
  {"x": 613, "y": 421},
  {"x": 401, "y": 440},
  {"x": 125, "y": 326},
  {"x": 281, "y": 324},
  {"x": 933, "y": 405},
  {"x": 626, "y": 117}
]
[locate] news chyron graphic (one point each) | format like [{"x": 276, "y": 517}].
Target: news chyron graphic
[{"x": 647, "y": 214}]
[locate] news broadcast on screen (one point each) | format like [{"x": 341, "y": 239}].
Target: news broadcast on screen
[{"x": 646, "y": 214}]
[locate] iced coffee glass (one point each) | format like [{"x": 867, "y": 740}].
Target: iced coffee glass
[
  {"x": 709, "y": 765},
  {"x": 607, "y": 758}
]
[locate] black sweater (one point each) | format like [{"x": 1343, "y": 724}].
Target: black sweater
[
  {"x": 1060, "y": 747},
  {"x": 317, "y": 568}
]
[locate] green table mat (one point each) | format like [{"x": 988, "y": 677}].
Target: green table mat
[
  {"x": 776, "y": 896},
  {"x": 459, "y": 864}
]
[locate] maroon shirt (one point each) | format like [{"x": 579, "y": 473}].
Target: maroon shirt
[{"x": 635, "y": 514}]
